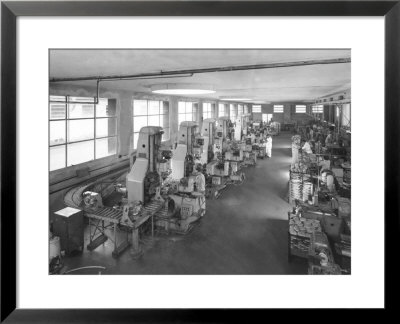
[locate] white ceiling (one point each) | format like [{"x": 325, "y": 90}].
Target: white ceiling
[{"x": 302, "y": 83}]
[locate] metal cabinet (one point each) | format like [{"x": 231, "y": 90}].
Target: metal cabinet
[{"x": 68, "y": 225}]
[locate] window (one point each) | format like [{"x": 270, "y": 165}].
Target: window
[
  {"x": 81, "y": 131},
  {"x": 317, "y": 109},
  {"x": 300, "y": 109},
  {"x": 207, "y": 110},
  {"x": 150, "y": 113},
  {"x": 266, "y": 118},
  {"x": 256, "y": 109},
  {"x": 240, "y": 110},
  {"x": 186, "y": 111},
  {"x": 221, "y": 110},
  {"x": 232, "y": 112},
  {"x": 278, "y": 108}
]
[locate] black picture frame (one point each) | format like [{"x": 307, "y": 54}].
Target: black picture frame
[{"x": 11, "y": 10}]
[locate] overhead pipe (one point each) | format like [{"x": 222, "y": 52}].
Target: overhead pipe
[
  {"x": 147, "y": 78},
  {"x": 96, "y": 99},
  {"x": 204, "y": 70}
]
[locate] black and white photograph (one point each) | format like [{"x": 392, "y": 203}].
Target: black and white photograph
[
  {"x": 194, "y": 161},
  {"x": 199, "y": 161}
]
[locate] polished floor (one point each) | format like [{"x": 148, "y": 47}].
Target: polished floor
[{"x": 243, "y": 232}]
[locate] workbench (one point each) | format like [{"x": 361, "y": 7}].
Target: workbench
[{"x": 107, "y": 218}]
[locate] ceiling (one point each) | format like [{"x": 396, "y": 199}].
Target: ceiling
[{"x": 287, "y": 84}]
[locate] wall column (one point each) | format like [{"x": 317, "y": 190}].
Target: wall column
[
  {"x": 200, "y": 114},
  {"x": 124, "y": 106},
  {"x": 173, "y": 119},
  {"x": 287, "y": 113}
]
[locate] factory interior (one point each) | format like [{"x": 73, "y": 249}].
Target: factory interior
[{"x": 200, "y": 161}]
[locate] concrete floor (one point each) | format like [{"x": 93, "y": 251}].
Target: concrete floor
[{"x": 243, "y": 232}]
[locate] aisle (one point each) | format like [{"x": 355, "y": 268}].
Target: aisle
[{"x": 243, "y": 232}]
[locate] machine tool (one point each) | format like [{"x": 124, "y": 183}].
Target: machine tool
[
  {"x": 222, "y": 130},
  {"x": 238, "y": 128},
  {"x": 208, "y": 136},
  {"x": 92, "y": 200},
  {"x": 245, "y": 123},
  {"x": 141, "y": 201},
  {"x": 186, "y": 152},
  {"x": 143, "y": 179},
  {"x": 164, "y": 162},
  {"x": 249, "y": 155},
  {"x": 189, "y": 205}
]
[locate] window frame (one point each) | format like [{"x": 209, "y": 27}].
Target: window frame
[
  {"x": 161, "y": 113},
  {"x": 256, "y": 106},
  {"x": 67, "y": 133},
  {"x": 320, "y": 109},
  {"x": 233, "y": 108},
  {"x": 206, "y": 113},
  {"x": 277, "y": 109},
  {"x": 192, "y": 113},
  {"x": 301, "y": 106},
  {"x": 219, "y": 110}
]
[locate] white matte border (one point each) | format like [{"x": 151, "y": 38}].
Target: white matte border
[{"x": 364, "y": 288}]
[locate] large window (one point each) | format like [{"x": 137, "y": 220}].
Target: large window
[
  {"x": 300, "y": 109},
  {"x": 207, "y": 110},
  {"x": 256, "y": 109},
  {"x": 232, "y": 112},
  {"x": 278, "y": 108},
  {"x": 221, "y": 110},
  {"x": 317, "y": 109},
  {"x": 150, "y": 113},
  {"x": 81, "y": 131},
  {"x": 186, "y": 111}
]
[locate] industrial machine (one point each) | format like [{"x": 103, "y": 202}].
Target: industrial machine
[
  {"x": 184, "y": 205},
  {"x": 188, "y": 150},
  {"x": 235, "y": 151},
  {"x": 141, "y": 198},
  {"x": 143, "y": 183},
  {"x": 238, "y": 128},
  {"x": 189, "y": 206},
  {"x": 222, "y": 131},
  {"x": 245, "y": 123},
  {"x": 275, "y": 128},
  {"x": 164, "y": 167},
  {"x": 143, "y": 179},
  {"x": 92, "y": 200},
  {"x": 249, "y": 154},
  {"x": 208, "y": 136}
]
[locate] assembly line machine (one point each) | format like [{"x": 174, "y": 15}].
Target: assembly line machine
[{"x": 160, "y": 190}]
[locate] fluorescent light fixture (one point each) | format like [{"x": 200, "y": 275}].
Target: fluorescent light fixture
[{"x": 182, "y": 89}]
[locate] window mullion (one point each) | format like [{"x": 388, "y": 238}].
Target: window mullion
[
  {"x": 95, "y": 132},
  {"x": 66, "y": 132}
]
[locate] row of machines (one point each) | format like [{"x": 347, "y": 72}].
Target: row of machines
[{"x": 168, "y": 187}]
